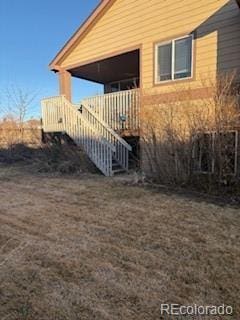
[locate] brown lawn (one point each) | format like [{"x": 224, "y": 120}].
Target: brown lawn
[{"x": 90, "y": 247}]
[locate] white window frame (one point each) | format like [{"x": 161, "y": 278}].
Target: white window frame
[{"x": 173, "y": 41}]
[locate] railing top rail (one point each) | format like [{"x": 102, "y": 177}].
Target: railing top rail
[
  {"x": 51, "y": 98},
  {"x": 112, "y": 94},
  {"x": 60, "y": 97}
]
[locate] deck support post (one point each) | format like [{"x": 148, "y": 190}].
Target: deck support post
[{"x": 65, "y": 84}]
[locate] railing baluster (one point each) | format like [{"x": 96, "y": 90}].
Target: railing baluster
[
  {"x": 89, "y": 128},
  {"x": 111, "y": 105}
]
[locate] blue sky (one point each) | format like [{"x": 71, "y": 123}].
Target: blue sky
[{"x": 31, "y": 34}]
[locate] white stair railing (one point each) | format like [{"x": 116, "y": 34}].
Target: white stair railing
[
  {"x": 119, "y": 110},
  {"x": 122, "y": 148},
  {"x": 99, "y": 141}
]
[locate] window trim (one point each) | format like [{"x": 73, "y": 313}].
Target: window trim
[{"x": 173, "y": 42}]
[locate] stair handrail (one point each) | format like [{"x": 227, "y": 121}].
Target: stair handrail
[
  {"x": 59, "y": 114},
  {"x": 121, "y": 155},
  {"x": 73, "y": 107},
  {"x": 62, "y": 99},
  {"x": 111, "y": 94},
  {"x": 111, "y": 131}
]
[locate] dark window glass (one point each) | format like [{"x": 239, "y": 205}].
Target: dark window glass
[
  {"x": 165, "y": 62},
  {"x": 183, "y": 58}
]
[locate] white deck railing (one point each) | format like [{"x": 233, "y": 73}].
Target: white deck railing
[
  {"x": 120, "y": 110},
  {"x": 99, "y": 141}
]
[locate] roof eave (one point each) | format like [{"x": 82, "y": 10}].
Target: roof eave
[
  {"x": 83, "y": 28},
  {"x": 80, "y": 31}
]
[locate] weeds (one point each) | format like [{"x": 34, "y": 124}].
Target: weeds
[
  {"x": 62, "y": 159},
  {"x": 189, "y": 142}
]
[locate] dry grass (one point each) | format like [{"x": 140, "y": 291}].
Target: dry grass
[{"x": 94, "y": 248}]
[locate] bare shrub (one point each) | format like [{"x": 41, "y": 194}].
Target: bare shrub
[
  {"x": 187, "y": 140},
  {"x": 16, "y": 109},
  {"x": 18, "y": 103},
  {"x": 12, "y": 133},
  {"x": 9, "y": 131}
]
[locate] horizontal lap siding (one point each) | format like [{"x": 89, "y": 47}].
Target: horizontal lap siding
[{"x": 128, "y": 23}]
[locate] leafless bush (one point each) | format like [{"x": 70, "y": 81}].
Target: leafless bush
[
  {"x": 187, "y": 140},
  {"x": 18, "y": 103},
  {"x": 16, "y": 109},
  {"x": 11, "y": 133}
]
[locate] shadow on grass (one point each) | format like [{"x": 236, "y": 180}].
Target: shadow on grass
[
  {"x": 71, "y": 160},
  {"x": 230, "y": 198}
]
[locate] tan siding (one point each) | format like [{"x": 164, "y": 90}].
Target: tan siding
[{"x": 128, "y": 23}]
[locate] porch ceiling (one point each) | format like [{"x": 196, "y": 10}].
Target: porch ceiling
[{"x": 112, "y": 69}]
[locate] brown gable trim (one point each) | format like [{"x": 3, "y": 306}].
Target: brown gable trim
[{"x": 81, "y": 30}]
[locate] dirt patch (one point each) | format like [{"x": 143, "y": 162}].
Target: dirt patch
[{"x": 90, "y": 247}]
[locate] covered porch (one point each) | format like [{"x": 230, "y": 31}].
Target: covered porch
[{"x": 119, "y": 74}]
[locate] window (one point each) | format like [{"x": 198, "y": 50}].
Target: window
[
  {"x": 122, "y": 85},
  {"x": 114, "y": 87},
  {"x": 174, "y": 59}
]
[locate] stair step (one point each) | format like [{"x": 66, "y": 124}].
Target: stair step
[
  {"x": 116, "y": 165},
  {"x": 119, "y": 171}
]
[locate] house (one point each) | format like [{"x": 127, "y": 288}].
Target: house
[{"x": 138, "y": 49}]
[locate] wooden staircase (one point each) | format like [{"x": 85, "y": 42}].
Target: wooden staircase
[{"x": 107, "y": 150}]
